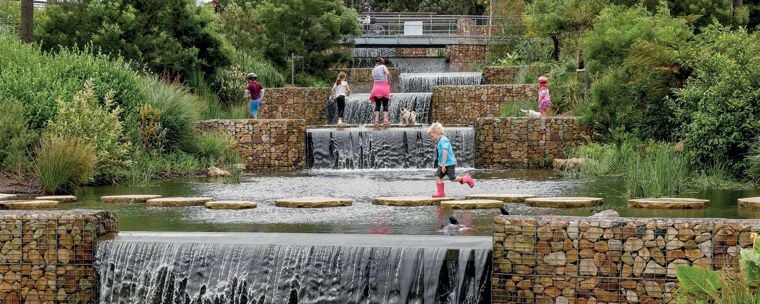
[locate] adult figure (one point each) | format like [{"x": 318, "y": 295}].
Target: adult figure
[
  {"x": 381, "y": 90},
  {"x": 254, "y": 93}
]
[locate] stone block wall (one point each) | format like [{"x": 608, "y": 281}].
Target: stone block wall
[
  {"x": 556, "y": 259},
  {"x": 467, "y": 104},
  {"x": 295, "y": 103},
  {"x": 360, "y": 79},
  {"x": 510, "y": 74},
  {"x": 265, "y": 144},
  {"x": 522, "y": 142},
  {"x": 464, "y": 56},
  {"x": 48, "y": 256}
]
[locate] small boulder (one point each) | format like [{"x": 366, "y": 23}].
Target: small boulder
[
  {"x": 606, "y": 213},
  {"x": 216, "y": 172},
  {"x": 567, "y": 164}
]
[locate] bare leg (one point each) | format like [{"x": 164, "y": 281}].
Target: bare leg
[{"x": 377, "y": 116}]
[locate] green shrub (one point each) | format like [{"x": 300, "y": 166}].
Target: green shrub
[
  {"x": 97, "y": 122},
  {"x": 718, "y": 109},
  {"x": 62, "y": 164},
  {"x": 214, "y": 149},
  {"x": 178, "y": 108},
  {"x": 15, "y": 137}
]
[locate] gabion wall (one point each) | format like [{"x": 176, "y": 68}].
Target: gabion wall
[{"x": 556, "y": 259}]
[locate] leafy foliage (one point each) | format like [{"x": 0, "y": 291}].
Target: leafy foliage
[
  {"x": 719, "y": 107},
  {"x": 15, "y": 138},
  {"x": 85, "y": 118},
  {"x": 172, "y": 36},
  {"x": 231, "y": 82}
]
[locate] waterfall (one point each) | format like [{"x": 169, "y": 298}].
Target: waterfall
[
  {"x": 420, "y": 65},
  {"x": 213, "y": 272},
  {"x": 360, "y": 111},
  {"x": 424, "y": 82},
  {"x": 364, "y": 148}
]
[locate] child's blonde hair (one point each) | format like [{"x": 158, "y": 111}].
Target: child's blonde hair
[
  {"x": 435, "y": 128},
  {"x": 341, "y": 77}
]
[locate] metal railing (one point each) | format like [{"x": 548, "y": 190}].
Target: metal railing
[{"x": 395, "y": 24}]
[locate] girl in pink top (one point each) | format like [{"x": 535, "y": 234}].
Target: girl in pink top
[{"x": 544, "y": 100}]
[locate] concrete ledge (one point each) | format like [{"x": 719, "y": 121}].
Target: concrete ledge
[
  {"x": 507, "y": 198},
  {"x": 177, "y": 201},
  {"x": 668, "y": 203},
  {"x": 563, "y": 202},
  {"x": 749, "y": 203},
  {"x": 230, "y": 205},
  {"x": 28, "y": 205},
  {"x": 409, "y": 201},
  {"x": 4, "y": 196},
  {"x": 59, "y": 198},
  {"x": 473, "y": 204},
  {"x": 312, "y": 202},
  {"x": 127, "y": 199}
]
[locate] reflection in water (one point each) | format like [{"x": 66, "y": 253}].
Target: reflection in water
[{"x": 362, "y": 186}]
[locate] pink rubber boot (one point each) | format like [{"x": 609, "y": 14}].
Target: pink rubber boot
[
  {"x": 467, "y": 179},
  {"x": 440, "y": 191}
]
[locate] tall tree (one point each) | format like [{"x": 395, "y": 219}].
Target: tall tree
[
  {"x": 27, "y": 17},
  {"x": 551, "y": 18}
]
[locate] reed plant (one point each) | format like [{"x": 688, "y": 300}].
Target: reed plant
[
  {"x": 656, "y": 171},
  {"x": 62, "y": 164},
  {"x": 179, "y": 109}
]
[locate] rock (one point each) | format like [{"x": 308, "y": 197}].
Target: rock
[
  {"x": 409, "y": 201},
  {"x": 127, "y": 199},
  {"x": 28, "y": 205},
  {"x": 567, "y": 164},
  {"x": 555, "y": 259},
  {"x": 473, "y": 204},
  {"x": 672, "y": 267},
  {"x": 239, "y": 167},
  {"x": 749, "y": 203},
  {"x": 631, "y": 296},
  {"x": 313, "y": 202},
  {"x": 593, "y": 234},
  {"x": 58, "y": 198},
  {"x": 507, "y": 198},
  {"x": 588, "y": 268},
  {"x": 615, "y": 245},
  {"x": 633, "y": 244},
  {"x": 230, "y": 205},
  {"x": 216, "y": 172},
  {"x": 668, "y": 203},
  {"x": 606, "y": 213},
  {"x": 654, "y": 269},
  {"x": 177, "y": 201},
  {"x": 653, "y": 289},
  {"x": 639, "y": 264},
  {"x": 563, "y": 202}
]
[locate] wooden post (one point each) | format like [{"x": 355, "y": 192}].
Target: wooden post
[{"x": 27, "y": 16}]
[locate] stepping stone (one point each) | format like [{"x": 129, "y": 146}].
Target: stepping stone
[
  {"x": 59, "y": 198},
  {"x": 507, "y": 198},
  {"x": 28, "y": 205},
  {"x": 668, "y": 203},
  {"x": 5, "y": 197},
  {"x": 563, "y": 202},
  {"x": 127, "y": 199},
  {"x": 230, "y": 205},
  {"x": 473, "y": 204},
  {"x": 312, "y": 202},
  {"x": 177, "y": 201},
  {"x": 409, "y": 201},
  {"x": 749, "y": 203}
]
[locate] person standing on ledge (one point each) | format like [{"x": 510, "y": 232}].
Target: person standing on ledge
[
  {"x": 381, "y": 90},
  {"x": 544, "y": 100},
  {"x": 254, "y": 93},
  {"x": 341, "y": 89},
  {"x": 446, "y": 161}
]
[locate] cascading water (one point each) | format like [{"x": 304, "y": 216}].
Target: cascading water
[
  {"x": 360, "y": 111},
  {"x": 424, "y": 82},
  {"x": 364, "y": 148},
  {"x": 182, "y": 272}
]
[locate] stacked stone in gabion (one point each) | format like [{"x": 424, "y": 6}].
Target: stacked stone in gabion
[
  {"x": 521, "y": 142},
  {"x": 613, "y": 260},
  {"x": 295, "y": 103},
  {"x": 453, "y": 104},
  {"x": 268, "y": 144},
  {"x": 49, "y": 256}
]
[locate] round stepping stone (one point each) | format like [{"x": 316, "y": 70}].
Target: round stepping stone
[
  {"x": 749, "y": 202},
  {"x": 409, "y": 201},
  {"x": 473, "y": 204},
  {"x": 127, "y": 199},
  {"x": 58, "y": 198},
  {"x": 563, "y": 202},
  {"x": 4, "y": 196},
  {"x": 312, "y": 202},
  {"x": 230, "y": 205},
  {"x": 29, "y": 205},
  {"x": 177, "y": 201},
  {"x": 668, "y": 203},
  {"x": 507, "y": 198}
]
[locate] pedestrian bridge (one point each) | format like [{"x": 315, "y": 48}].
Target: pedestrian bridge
[{"x": 428, "y": 30}]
